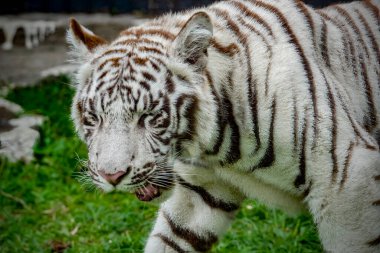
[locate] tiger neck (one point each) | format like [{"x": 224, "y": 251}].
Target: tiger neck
[{"x": 216, "y": 81}]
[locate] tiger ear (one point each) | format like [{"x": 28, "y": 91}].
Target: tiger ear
[
  {"x": 193, "y": 40},
  {"x": 82, "y": 40}
]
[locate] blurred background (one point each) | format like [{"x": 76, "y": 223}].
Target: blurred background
[{"x": 44, "y": 206}]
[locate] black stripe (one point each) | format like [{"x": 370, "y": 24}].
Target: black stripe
[
  {"x": 162, "y": 140},
  {"x": 269, "y": 157},
  {"x": 324, "y": 44},
  {"x": 102, "y": 65},
  {"x": 351, "y": 22},
  {"x": 332, "y": 105},
  {"x": 154, "y": 141},
  {"x": 129, "y": 78},
  {"x": 138, "y": 41},
  {"x": 295, "y": 124},
  {"x": 251, "y": 89},
  {"x": 102, "y": 75},
  {"x": 172, "y": 244},
  {"x": 147, "y": 49},
  {"x": 114, "y": 78},
  {"x": 375, "y": 11},
  {"x": 89, "y": 82},
  {"x": 145, "y": 85},
  {"x": 269, "y": 47},
  {"x": 100, "y": 85},
  {"x": 370, "y": 119},
  {"x": 140, "y": 61},
  {"x": 208, "y": 198},
  {"x": 155, "y": 66},
  {"x": 199, "y": 243},
  {"x": 229, "y": 50},
  {"x": 346, "y": 165},
  {"x": 251, "y": 15},
  {"x": 87, "y": 122},
  {"x": 166, "y": 108},
  {"x": 300, "y": 179},
  {"x": 370, "y": 34},
  {"x": 304, "y": 61},
  {"x": 102, "y": 103},
  {"x": 309, "y": 19},
  {"x": 88, "y": 133},
  {"x": 221, "y": 121},
  {"x": 158, "y": 61},
  {"x": 91, "y": 104},
  {"x": 350, "y": 57},
  {"x": 374, "y": 242},
  {"x": 189, "y": 115},
  {"x": 353, "y": 122},
  {"x": 233, "y": 154},
  {"x": 148, "y": 76},
  {"x": 136, "y": 99},
  {"x": 152, "y": 148},
  {"x": 307, "y": 190},
  {"x": 373, "y": 42},
  {"x": 170, "y": 87},
  {"x": 111, "y": 51}
]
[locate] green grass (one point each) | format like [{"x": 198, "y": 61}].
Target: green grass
[{"x": 43, "y": 207}]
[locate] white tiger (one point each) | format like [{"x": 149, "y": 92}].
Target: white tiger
[{"x": 270, "y": 100}]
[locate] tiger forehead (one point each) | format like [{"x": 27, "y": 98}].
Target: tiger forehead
[
  {"x": 122, "y": 67},
  {"x": 112, "y": 103},
  {"x": 135, "y": 82},
  {"x": 127, "y": 47},
  {"x": 133, "y": 72},
  {"x": 139, "y": 60}
]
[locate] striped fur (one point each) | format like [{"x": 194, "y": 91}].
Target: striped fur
[{"x": 271, "y": 100}]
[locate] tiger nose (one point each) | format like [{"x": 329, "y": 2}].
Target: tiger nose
[{"x": 115, "y": 178}]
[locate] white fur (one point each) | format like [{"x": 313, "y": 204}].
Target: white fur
[{"x": 344, "y": 214}]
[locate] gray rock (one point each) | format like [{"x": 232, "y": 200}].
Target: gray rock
[
  {"x": 17, "y": 144},
  {"x": 9, "y": 106},
  {"x": 27, "y": 121},
  {"x": 17, "y": 136},
  {"x": 50, "y": 57}
]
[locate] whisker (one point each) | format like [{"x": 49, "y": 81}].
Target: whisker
[{"x": 160, "y": 184}]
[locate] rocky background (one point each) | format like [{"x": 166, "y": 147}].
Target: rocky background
[{"x": 33, "y": 47}]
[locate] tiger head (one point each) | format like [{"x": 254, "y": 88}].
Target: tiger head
[{"x": 137, "y": 102}]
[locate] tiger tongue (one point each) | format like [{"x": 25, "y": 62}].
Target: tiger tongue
[{"x": 147, "y": 193}]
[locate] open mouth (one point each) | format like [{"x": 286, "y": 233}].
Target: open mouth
[{"x": 148, "y": 192}]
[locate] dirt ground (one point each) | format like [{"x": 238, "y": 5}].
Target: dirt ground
[{"x": 21, "y": 66}]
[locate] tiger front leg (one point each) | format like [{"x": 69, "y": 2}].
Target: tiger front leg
[{"x": 192, "y": 219}]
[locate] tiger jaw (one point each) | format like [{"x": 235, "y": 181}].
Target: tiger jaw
[
  {"x": 146, "y": 192},
  {"x": 147, "y": 189}
]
